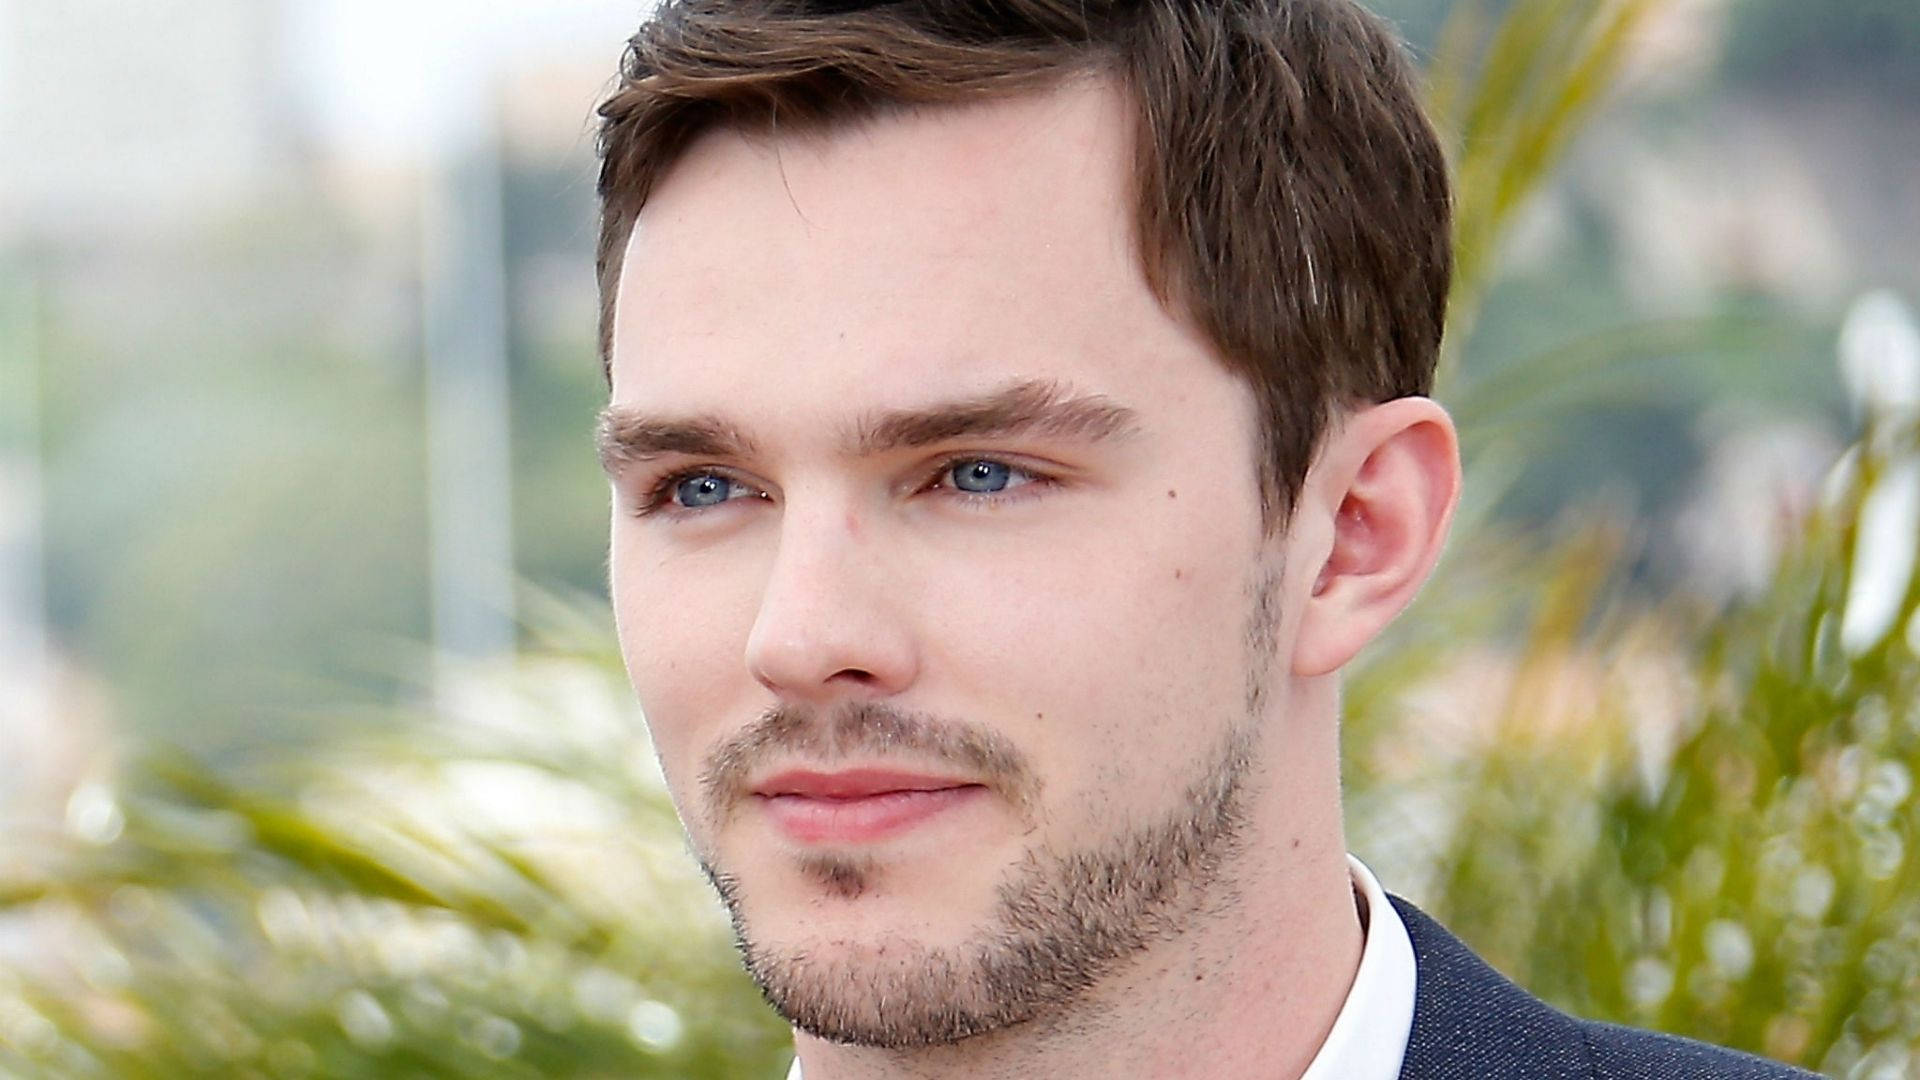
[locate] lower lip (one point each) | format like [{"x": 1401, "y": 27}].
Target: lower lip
[{"x": 862, "y": 820}]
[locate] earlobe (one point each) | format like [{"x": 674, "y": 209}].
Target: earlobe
[{"x": 1386, "y": 484}]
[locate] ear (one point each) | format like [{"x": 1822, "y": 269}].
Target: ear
[{"x": 1369, "y": 524}]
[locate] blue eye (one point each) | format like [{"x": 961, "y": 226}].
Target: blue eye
[
  {"x": 703, "y": 489},
  {"x": 981, "y": 477}
]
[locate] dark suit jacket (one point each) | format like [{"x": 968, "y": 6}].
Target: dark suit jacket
[{"x": 1470, "y": 1023}]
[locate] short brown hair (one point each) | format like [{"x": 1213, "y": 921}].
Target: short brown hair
[{"x": 1292, "y": 196}]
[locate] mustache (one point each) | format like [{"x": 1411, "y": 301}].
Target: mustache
[{"x": 864, "y": 729}]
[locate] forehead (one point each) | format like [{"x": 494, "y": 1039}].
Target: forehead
[{"x": 920, "y": 254}]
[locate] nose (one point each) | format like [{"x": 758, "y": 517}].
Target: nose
[{"x": 830, "y": 627}]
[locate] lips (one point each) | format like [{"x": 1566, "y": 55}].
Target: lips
[{"x": 858, "y": 806}]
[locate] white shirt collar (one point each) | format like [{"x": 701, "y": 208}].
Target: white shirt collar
[{"x": 1369, "y": 1036}]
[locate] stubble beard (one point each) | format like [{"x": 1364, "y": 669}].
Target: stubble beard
[{"x": 1062, "y": 922}]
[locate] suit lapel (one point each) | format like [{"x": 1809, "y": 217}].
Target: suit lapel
[{"x": 1471, "y": 1023}]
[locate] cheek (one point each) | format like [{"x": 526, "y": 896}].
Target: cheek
[
  {"x": 682, "y": 633},
  {"x": 1132, "y": 642}
]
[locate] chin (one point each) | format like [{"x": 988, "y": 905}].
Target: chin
[
  {"x": 886, "y": 992},
  {"x": 854, "y": 955},
  {"x": 853, "y": 952}
]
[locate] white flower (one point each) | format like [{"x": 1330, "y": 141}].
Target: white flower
[
  {"x": 1880, "y": 354},
  {"x": 1883, "y": 557}
]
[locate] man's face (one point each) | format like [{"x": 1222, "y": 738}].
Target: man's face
[{"x": 938, "y": 563}]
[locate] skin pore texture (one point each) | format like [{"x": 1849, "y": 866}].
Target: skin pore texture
[{"x": 914, "y": 475}]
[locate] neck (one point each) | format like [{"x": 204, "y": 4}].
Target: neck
[{"x": 1251, "y": 985}]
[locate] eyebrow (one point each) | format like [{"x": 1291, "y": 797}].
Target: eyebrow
[
  {"x": 1032, "y": 407},
  {"x": 624, "y": 436}
]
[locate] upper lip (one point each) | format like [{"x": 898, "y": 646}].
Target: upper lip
[{"x": 853, "y": 783}]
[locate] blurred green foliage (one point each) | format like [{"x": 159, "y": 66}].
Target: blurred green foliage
[
  {"x": 500, "y": 896},
  {"x": 1696, "y": 821}
]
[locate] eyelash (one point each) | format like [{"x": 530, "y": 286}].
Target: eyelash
[{"x": 659, "y": 499}]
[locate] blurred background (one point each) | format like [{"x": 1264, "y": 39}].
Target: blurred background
[{"x": 315, "y": 758}]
